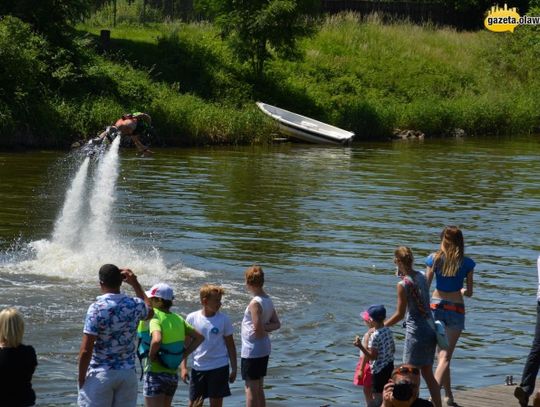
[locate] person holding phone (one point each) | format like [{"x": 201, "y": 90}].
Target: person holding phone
[{"x": 403, "y": 389}]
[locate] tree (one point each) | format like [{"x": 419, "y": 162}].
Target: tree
[
  {"x": 258, "y": 29},
  {"x": 49, "y": 17}
]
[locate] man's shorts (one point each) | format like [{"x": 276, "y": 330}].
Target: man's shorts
[
  {"x": 212, "y": 384},
  {"x": 156, "y": 384},
  {"x": 117, "y": 388},
  {"x": 254, "y": 369},
  {"x": 381, "y": 378}
]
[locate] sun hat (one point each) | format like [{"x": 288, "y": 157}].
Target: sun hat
[
  {"x": 161, "y": 290},
  {"x": 375, "y": 313}
]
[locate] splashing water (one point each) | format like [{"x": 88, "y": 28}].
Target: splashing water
[
  {"x": 102, "y": 198},
  {"x": 69, "y": 223},
  {"x": 82, "y": 239}
]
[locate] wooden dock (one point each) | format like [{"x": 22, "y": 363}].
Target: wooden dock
[{"x": 498, "y": 395}]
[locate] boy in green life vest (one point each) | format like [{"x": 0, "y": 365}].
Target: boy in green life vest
[{"x": 162, "y": 344}]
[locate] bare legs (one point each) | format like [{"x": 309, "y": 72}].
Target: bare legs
[
  {"x": 216, "y": 402},
  {"x": 255, "y": 393},
  {"x": 442, "y": 373},
  {"x": 199, "y": 402},
  {"x": 433, "y": 386},
  {"x": 368, "y": 393},
  {"x": 159, "y": 401}
]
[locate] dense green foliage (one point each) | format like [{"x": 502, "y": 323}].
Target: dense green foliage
[
  {"x": 34, "y": 77},
  {"x": 49, "y": 17},
  {"x": 361, "y": 75}
]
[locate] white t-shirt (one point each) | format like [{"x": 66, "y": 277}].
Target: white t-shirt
[
  {"x": 256, "y": 347},
  {"x": 212, "y": 353}
]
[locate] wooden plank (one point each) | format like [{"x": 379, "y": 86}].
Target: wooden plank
[{"x": 499, "y": 395}]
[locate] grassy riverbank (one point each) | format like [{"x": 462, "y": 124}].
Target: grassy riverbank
[{"x": 367, "y": 77}]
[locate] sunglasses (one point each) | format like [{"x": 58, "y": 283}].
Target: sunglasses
[{"x": 406, "y": 370}]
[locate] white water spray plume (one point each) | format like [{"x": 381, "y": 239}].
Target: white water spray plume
[
  {"x": 69, "y": 224},
  {"x": 83, "y": 239}
]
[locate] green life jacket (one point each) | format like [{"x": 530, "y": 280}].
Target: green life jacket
[
  {"x": 171, "y": 355},
  {"x": 143, "y": 333},
  {"x": 171, "y": 350},
  {"x": 143, "y": 348}
]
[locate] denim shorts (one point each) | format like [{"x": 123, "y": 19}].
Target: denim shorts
[
  {"x": 156, "y": 384},
  {"x": 452, "y": 319}
]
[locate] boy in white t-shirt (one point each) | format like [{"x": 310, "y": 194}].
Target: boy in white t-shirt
[{"x": 210, "y": 376}]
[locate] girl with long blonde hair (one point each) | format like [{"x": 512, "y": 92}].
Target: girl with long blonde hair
[
  {"x": 17, "y": 361},
  {"x": 451, "y": 269}
]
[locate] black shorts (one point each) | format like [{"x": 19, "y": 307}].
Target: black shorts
[
  {"x": 378, "y": 380},
  {"x": 254, "y": 369},
  {"x": 212, "y": 384}
]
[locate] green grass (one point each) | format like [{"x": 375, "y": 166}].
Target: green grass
[
  {"x": 361, "y": 75},
  {"x": 407, "y": 76}
]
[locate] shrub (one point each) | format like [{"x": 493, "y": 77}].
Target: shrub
[{"x": 22, "y": 70}]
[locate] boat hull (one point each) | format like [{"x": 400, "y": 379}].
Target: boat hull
[
  {"x": 310, "y": 137},
  {"x": 306, "y": 129}
]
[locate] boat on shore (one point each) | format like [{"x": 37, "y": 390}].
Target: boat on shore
[{"x": 305, "y": 128}]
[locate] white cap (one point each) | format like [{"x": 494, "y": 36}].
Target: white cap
[{"x": 161, "y": 290}]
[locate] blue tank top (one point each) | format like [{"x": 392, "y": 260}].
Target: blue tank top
[{"x": 450, "y": 284}]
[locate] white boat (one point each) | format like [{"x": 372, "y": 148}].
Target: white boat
[{"x": 306, "y": 129}]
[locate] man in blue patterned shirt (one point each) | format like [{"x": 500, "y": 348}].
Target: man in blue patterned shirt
[{"x": 107, "y": 376}]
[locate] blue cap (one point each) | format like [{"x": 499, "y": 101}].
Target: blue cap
[{"x": 377, "y": 312}]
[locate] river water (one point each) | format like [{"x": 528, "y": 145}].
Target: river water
[{"x": 323, "y": 222}]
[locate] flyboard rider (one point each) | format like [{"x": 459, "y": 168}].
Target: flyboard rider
[{"x": 131, "y": 124}]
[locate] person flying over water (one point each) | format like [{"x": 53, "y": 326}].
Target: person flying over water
[{"x": 132, "y": 125}]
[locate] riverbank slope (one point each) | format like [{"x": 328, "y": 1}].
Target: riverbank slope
[{"x": 361, "y": 75}]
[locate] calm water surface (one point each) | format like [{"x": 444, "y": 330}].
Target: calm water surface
[{"x": 323, "y": 223}]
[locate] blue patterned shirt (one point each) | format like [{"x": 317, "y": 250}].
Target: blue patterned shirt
[{"x": 113, "y": 319}]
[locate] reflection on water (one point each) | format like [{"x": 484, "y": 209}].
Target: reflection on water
[{"x": 322, "y": 221}]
